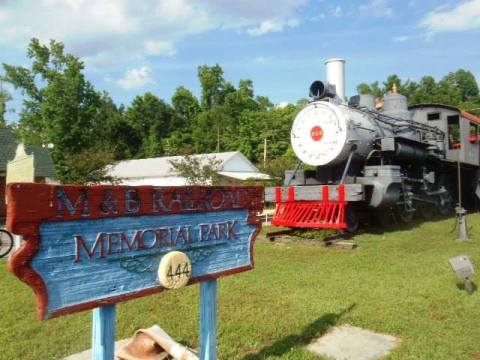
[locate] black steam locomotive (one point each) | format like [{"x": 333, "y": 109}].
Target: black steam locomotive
[{"x": 376, "y": 157}]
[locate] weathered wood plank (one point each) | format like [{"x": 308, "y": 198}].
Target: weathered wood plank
[
  {"x": 29, "y": 204},
  {"x": 353, "y": 192},
  {"x": 74, "y": 277},
  {"x": 341, "y": 244}
]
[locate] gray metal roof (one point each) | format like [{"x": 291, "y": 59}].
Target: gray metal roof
[
  {"x": 8, "y": 146},
  {"x": 161, "y": 166},
  {"x": 43, "y": 163}
]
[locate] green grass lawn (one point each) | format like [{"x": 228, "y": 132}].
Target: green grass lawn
[{"x": 398, "y": 282}]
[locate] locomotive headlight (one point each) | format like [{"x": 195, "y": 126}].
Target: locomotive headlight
[
  {"x": 320, "y": 89},
  {"x": 319, "y": 134}
]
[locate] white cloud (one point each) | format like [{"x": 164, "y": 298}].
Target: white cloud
[
  {"x": 270, "y": 25},
  {"x": 3, "y": 15},
  {"x": 377, "y": 8},
  {"x": 108, "y": 32},
  {"x": 465, "y": 16},
  {"x": 319, "y": 17},
  {"x": 401, "y": 38},
  {"x": 160, "y": 48},
  {"x": 262, "y": 59},
  {"x": 337, "y": 12},
  {"x": 135, "y": 78}
]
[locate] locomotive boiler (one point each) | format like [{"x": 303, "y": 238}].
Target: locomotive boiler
[{"x": 375, "y": 157}]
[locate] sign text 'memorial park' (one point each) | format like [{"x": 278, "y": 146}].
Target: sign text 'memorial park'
[{"x": 87, "y": 246}]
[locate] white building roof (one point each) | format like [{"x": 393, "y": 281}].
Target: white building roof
[{"x": 159, "y": 171}]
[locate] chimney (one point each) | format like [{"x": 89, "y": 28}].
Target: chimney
[{"x": 335, "y": 69}]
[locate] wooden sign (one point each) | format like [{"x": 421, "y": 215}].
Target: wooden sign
[{"x": 93, "y": 246}]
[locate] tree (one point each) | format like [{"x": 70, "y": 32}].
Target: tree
[
  {"x": 185, "y": 104},
  {"x": 457, "y": 88},
  {"x": 264, "y": 103},
  {"x": 242, "y": 99},
  {"x": 117, "y": 135},
  {"x": 90, "y": 166},
  {"x": 60, "y": 106},
  {"x": 373, "y": 89},
  {"x": 214, "y": 87},
  {"x": 209, "y": 130},
  {"x": 392, "y": 80},
  {"x": 198, "y": 170},
  {"x": 277, "y": 127},
  {"x": 463, "y": 83},
  {"x": 246, "y": 135},
  {"x": 425, "y": 92},
  {"x": 302, "y": 102},
  {"x": 276, "y": 167},
  {"x": 5, "y": 97},
  {"x": 151, "y": 120}
]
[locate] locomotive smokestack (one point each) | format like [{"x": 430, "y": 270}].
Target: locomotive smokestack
[{"x": 335, "y": 69}]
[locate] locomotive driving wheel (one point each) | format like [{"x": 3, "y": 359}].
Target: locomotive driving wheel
[
  {"x": 352, "y": 219},
  {"x": 404, "y": 215},
  {"x": 383, "y": 217},
  {"x": 427, "y": 211}
]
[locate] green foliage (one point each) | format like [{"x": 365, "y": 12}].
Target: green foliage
[
  {"x": 237, "y": 101},
  {"x": 458, "y": 88},
  {"x": 373, "y": 89},
  {"x": 187, "y": 108},
  {"x": 264, "y": 103},
  {"x": 277, "y": 166},
  {"x": 60, "y": 106},
  {"x": 209, "y": 129},
  {"x": 151, "y": 120},
  {"x": 214, "y": 86},
  {"x": 88, "y": 167},
  {"x": 198, "y": 170},
  {"x": 185, "y": 105},
  {"x": 5, "y": 97},
  {"x": 115, "y": 133},
  {"x": 463, "y": 84}
]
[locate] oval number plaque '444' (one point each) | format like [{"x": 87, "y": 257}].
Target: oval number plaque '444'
[{"x": 91, "y": 246}]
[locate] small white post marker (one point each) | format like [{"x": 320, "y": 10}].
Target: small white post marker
[{"x": 174, "y": 270}]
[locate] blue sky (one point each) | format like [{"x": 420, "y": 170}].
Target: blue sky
[{"x": 130, "y": 47}]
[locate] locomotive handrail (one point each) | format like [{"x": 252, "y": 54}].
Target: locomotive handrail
[
  {"x": 382, "y": 118},
  {"x": 410, "y": 123}
]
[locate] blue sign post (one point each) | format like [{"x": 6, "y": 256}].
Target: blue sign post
[
  {"x": 103, "y": 333},
  {"x": 92, "y": 247},
  {"x": 208, "y": 320}
]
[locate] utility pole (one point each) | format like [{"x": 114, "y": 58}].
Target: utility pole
[
  {"x": 218, "y": 136},
  {"x": 264, "y": 152}
]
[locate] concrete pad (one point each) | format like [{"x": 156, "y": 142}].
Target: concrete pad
[
  {"x": 352, "y": 343},
  {"x": 87, "y": 354}
]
